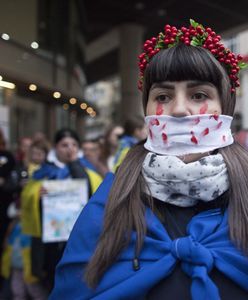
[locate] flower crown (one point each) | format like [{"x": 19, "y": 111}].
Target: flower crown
[{"x": 195, "y": 35}]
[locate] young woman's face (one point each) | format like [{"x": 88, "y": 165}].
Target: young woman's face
[
  {"x": 67, "y": 150},
  {"x": 183, "y": 98}
]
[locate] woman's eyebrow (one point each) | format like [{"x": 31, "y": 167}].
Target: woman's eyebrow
[
  {"x": 164, "y": 85},
  {"x": 193, "y": 84}
]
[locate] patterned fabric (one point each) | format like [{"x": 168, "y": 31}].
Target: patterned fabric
[
  {"x": 171, "y": 180},
  {"x": 185, "y": 135}
]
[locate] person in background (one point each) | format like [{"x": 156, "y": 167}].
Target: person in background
[
  {"x": 134, "y": 132},
  {"x": 16, "y": 259},
  {"x": 111, "y": 144},
  {"x": 172, "y": 223},
  {"x": 92, "y": 156},
  {"x": 7, "y": 165},
  {"x": 22, "y": 152},
  {"x": 66, "y": 164},
  {"x": 16, "y": 262},
  {"x": 66, "y": 161},
  {"x": 19, "y": 176},
  {"x": 37, "y": 155}
]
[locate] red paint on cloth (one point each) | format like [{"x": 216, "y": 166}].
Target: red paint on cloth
[
  {"x": 164, "y": 137},
  {"x": 219, "y": 125},
  {"x": 155, "y": 122},
  {"x": 163, "y": 127},
  {"x": 193, "y": 138},
  {"x": 197, "y": 121},
  {"x": 215, "y": 116},
  {"x": 205, "y": 132}
]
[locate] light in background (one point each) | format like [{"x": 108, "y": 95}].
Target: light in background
[
  {"x": 56, "y": 95},
  {"x": 83, "y": 105},
  {"x": 34, "y": 45},
  {"x": 32, "y": 87},
  {"x": 73, "y": 101},
  {"x": 5, "y": 36},
  {"x": 6, "y": 84}
]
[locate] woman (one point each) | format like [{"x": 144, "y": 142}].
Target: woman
[
  {"x": 176, "y": 222},
  {"x": 65, "y": 163}
]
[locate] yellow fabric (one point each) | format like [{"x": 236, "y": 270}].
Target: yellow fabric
[
  {"x": 5, "y": 262},
  {"x": 32, "y": 168},
  {"x": 30, "y": 208},
  {"x": 95, "y": 180},
  {"x": 121, "y": 158}
]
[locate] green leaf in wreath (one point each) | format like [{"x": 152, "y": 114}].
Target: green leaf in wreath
[
  {"x": 193, "y": 23},
  {"x": 194, "y": 43},
  {"x": 242, "y": 65}
]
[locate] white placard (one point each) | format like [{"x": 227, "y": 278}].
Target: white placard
[{"x": 61, "y": 207}]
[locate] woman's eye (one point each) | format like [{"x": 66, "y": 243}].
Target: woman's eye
[
  {"x": 199, "y": 96},
  {"x": 162, "y": 98}
]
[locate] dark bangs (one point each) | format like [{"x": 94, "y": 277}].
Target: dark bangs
[{"x": 184, "y": 62}]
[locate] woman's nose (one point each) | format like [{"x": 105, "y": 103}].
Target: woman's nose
[
  {"x": 70, "y": 148},
  {"x": 179, "y": 107}
]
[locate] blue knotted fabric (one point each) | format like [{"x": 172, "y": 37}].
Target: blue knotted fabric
[
  {"x": 197, "y": 262},
  {"x": 206, "y": 246}
]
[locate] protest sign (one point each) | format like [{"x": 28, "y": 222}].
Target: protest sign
[{"x": 61, "y": 206}]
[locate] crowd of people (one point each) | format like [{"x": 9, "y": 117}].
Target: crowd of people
[{"x": 27, "y": 262}]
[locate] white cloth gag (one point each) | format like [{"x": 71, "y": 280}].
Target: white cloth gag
[{"x": 185, "y": 135}]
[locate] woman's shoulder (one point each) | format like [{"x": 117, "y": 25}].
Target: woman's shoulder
[{"x": 47, "y": 170}]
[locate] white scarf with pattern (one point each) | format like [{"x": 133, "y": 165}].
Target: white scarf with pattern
[{"x": 184, "y": 184}]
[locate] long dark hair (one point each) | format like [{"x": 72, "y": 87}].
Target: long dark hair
[{"x": 125, "y": 208}]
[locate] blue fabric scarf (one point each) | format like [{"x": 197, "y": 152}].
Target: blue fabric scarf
[
  {"x": 206, "y": 246},
  {"x": 51, "y": 171}
]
